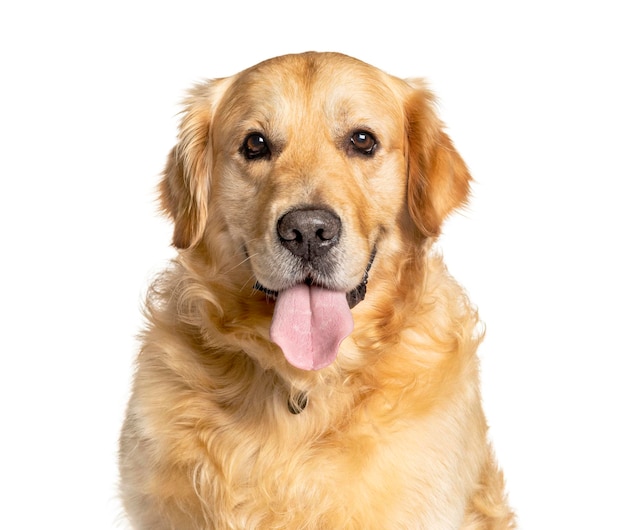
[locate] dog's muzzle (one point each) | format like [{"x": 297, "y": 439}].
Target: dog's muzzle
[
  {"x": 309, "y": 233},
  {"x": 311, "y": 318},
  {"x": 354, "y": 297}
]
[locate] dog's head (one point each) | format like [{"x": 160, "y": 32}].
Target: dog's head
[{"x": 313, "y": 167}]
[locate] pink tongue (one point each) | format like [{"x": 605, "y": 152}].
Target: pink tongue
[{"x": 309, "y": 323}]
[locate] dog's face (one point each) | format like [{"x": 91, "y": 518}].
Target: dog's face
[
  {"x": 311, "y": 164},
  {"x": 308, "y": 157}
]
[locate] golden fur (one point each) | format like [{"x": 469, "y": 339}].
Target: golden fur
[{"x": 393, "y": 436}]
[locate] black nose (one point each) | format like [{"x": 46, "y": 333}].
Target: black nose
[{"x": 309, "y": 233}]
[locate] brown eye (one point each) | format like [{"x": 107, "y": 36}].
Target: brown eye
[
  {"x": 363, "y": 142},
  {"x": 255, "y": 146}
]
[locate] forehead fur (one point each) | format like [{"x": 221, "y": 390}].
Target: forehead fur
[{"x": 299, "y": 88}]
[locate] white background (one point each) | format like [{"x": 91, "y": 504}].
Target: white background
[{"x": 533, "y": 94}]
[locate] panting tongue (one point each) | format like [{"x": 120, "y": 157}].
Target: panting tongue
[{"x": 309, "y": 323}]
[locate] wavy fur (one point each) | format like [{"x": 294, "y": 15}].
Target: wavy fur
[{"x": 393, "y": 435}]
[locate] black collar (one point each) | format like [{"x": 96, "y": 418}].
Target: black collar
[{"x": 296, "y": 404}]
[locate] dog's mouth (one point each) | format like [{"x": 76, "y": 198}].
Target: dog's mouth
[{"x": 311, "y": 321}]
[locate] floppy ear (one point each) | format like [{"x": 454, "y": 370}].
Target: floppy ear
[
  {"x": 184, "y": 188},
  {"x": 438, "y": 179}
]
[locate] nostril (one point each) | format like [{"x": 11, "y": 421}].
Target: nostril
[
  {"x": 309, "y": 233},
  {"x": 326, "y": 233},
  {"x": 288, "y": 233}
]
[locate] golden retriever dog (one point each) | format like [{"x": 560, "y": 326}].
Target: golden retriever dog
[{"x": 308, "y": 362}]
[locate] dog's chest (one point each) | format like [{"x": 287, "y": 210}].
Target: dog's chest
[{"x": 290, "y": 478}]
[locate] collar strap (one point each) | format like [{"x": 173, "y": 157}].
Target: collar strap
[{"x": 296, "y": 404}]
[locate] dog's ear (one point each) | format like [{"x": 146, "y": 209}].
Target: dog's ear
[
  {"x": 438, "y": 179},
  {"x": 185, "y": 186}
]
